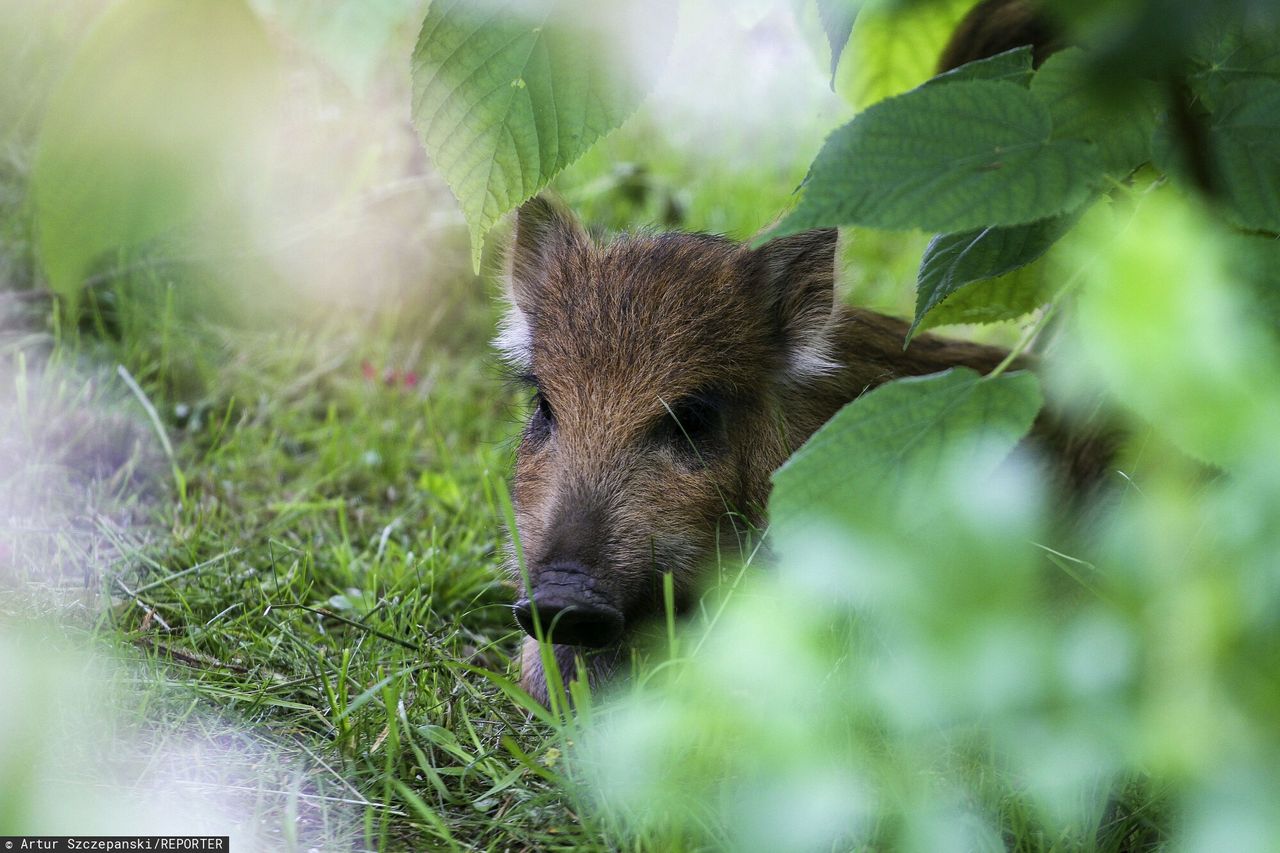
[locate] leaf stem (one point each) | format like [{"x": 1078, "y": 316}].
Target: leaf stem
[
  {"x": 1043, "y": 320},
  {"x": 1028, "y": 338},
  {"x": 1052, "y": 307}
]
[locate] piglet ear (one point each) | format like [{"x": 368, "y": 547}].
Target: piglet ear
[
  {"x": 545, "y": 230},
  {"x": 797, "y": 275},
  {"x": 546, "y": 234}
]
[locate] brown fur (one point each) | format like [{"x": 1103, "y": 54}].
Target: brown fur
[
  {"x": 619, "y": 334},
  {"x": 994, "y": 26}
]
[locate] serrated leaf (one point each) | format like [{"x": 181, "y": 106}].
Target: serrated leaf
[
  {"x": 509, "y": 92},
  {"x": 1121, "y": 129},
  {"x": 1012, "y": 66},
  {"x": 1244, "y": 134},
  {"x": 953, "y": 261},
  {"x": 995, "y": 300},
  {"x": 137, "y": 141},
  {"x": 1241, "y": 151},
  {"x": 895, "y": 439},
  {"x": 837, "y": 17},
  {"x": 1235, "y": 54},
  {"x": 894, "y": 47},
  {"x": 946, "y": 158}
]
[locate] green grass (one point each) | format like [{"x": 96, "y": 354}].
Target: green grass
[{"x": 331, "y": 578}]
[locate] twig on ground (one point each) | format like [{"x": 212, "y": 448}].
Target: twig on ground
[{"x": 329, "y": 614}]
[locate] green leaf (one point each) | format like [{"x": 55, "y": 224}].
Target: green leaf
[
  {"x": 896, "y": 439},
  {"x": 995, "y": 300},
  {"x": 141, "y": 142},
  {"x": 1120, "y": 126},
  {"x": 1244, "y": 134},
  {"x": 1255, "y": 261},
  {"x": 895, "y": 46},
  {"x": 946, "y": 158},
  {"x": 507, "y": 93},
  {"x": 1235, "y": 54},
  {"x": 953, "y": 261},
  {"x": 837, "y": 18},
  {"x": 1012, "y": 66}
]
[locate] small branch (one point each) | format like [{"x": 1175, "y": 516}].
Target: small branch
[
  {"x": 146, "y": 608},
  {"x": 162, "y": 581},
  {"x": 191, "y": 659},
  {"x": 328, "y": 614}
]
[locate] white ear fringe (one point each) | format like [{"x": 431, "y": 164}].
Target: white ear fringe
[
  {"x": 810, "y": 361},
  {"x": 813, "y": 356},
  {"x": 514, "y": 341}
]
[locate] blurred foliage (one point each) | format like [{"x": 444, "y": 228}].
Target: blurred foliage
[
  {"x": 353, "y": 37},
  {"x": 133, "y": 149},
  {"x": 935, "y": 666},
  {"x": 37, "y": 41}
]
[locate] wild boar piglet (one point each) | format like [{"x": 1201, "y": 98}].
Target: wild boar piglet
[{"x": 671, "y": 374}]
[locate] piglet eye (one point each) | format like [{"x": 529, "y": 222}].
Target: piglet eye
[
  {"x": 693, "y": 427},
  {"x": 543, "y": 408},
  {"x": 694, "y": 420},
  {"x": 543, "y": 420}
]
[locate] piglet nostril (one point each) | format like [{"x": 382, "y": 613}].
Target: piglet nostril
[
  {"x": 570, "y": 623},
  {"x": 524, "y": 615},
  {"x": 577, "y": 625}
]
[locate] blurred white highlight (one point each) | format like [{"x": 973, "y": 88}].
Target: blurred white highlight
[
  {"x": 80, "y": 468},
  {"x": 72, "y": 761}
]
